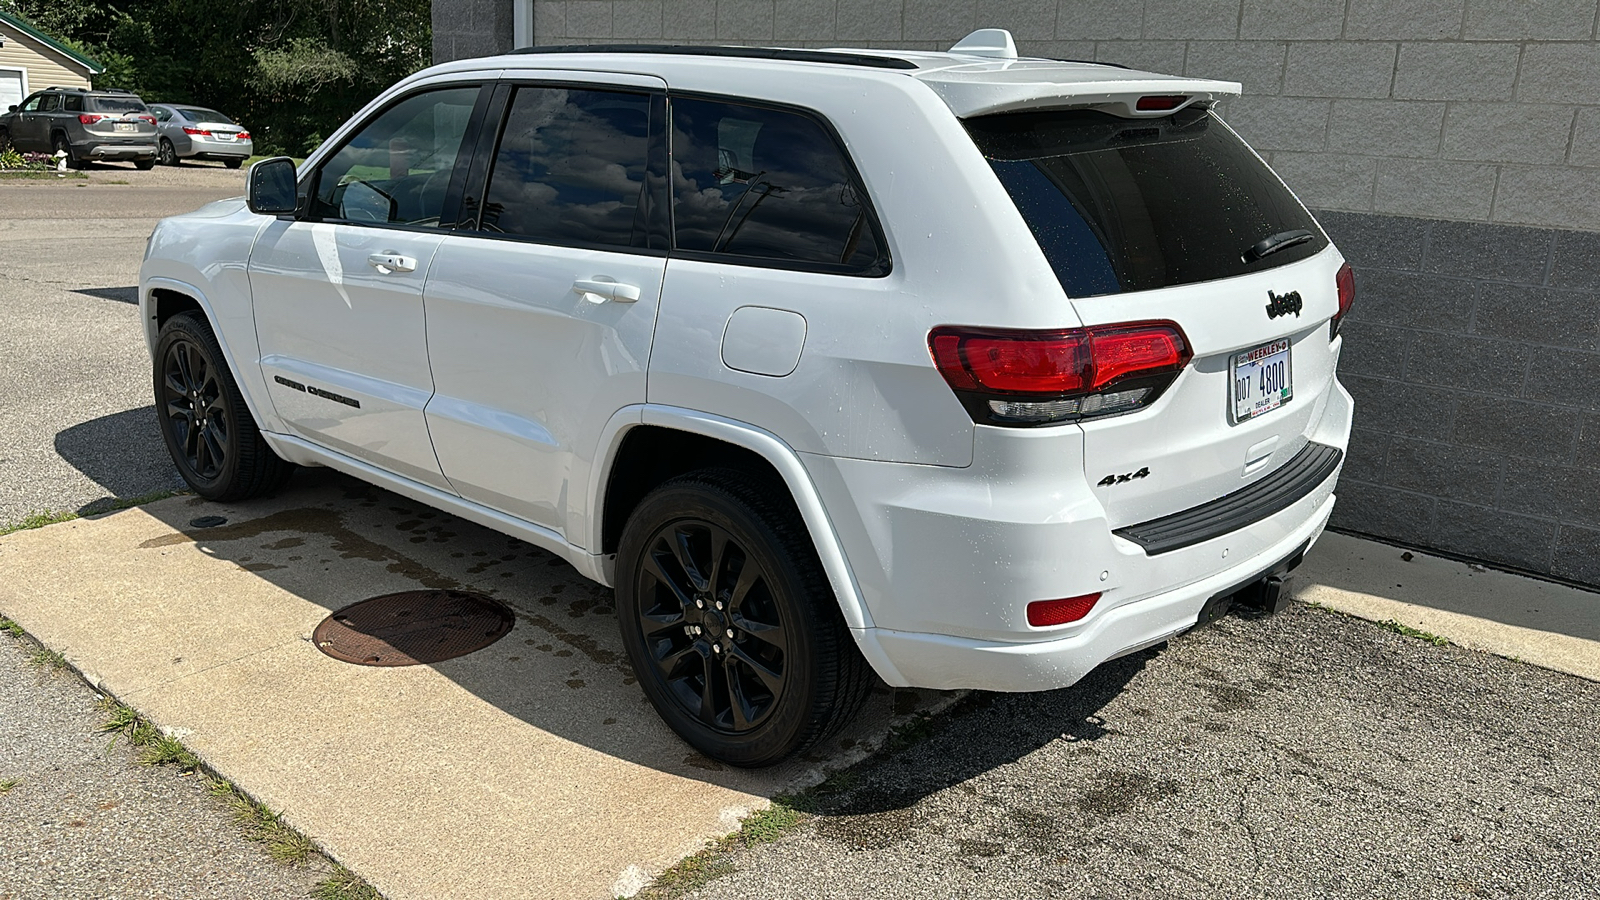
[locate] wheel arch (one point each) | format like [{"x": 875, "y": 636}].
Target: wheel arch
[
  {"x": 654, "y": 443},
  {"x": 163, "y": 298}
]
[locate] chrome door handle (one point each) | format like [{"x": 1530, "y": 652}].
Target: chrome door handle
[
  {"x": 599, "y": 289},
  {"x": 391, "y": 262}
]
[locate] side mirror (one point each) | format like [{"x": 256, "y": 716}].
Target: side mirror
[
  {"x": 12, "y": 108},
  {"x": 270, "y": 189}
]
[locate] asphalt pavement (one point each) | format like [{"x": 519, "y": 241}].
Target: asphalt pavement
[
  {"x": 77, "y": 428},
  {"x": 1303, "y": 755}
]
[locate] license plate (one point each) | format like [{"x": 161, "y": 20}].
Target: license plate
[
  {"x": 222, "y": 135},
  {"x": 1262, "y": 380},
  {"x": 124, "y": 126}
]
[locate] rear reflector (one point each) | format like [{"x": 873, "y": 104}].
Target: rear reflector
[
  {"x": 1346, "y": 280},
  {"x": 1044, "y": 613},
  {"x": 1160, "y": 102},
  {"x": 1039, "y": 377}
]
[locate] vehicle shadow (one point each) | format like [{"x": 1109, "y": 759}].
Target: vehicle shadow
[
  {"x": 333, "y": 540},
  {"x": 119, "y": 294},
  {"x": 122, "y": 453}
]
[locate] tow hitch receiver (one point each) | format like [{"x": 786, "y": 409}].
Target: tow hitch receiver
[{"x": 1267, "y": 593}]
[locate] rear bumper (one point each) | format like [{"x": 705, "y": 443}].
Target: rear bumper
[
  {"x": 200, "y": 148},
  {"x": 943, "y": 662},
  {"x": 117, "y": 150},
  {"x": 947, "y": 559}
]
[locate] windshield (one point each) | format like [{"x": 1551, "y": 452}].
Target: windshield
[
  {"x": 118, "y": 104},
  {"x": 197, "y": 114},
  {"x": 1135, "y": 204}
]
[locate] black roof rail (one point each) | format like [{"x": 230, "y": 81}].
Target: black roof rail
[
  {"x": 834, "y": 57},
  {"x": 57, "y": 87},
  {"x": 115, "y": 91}
]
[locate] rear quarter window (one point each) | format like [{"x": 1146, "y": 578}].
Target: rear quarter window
[
  {"x": 772, "y": 187},
  {"x": 1122, "y": 205}
]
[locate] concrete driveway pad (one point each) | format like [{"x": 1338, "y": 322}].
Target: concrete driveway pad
[{"x": 532, "y": 768}]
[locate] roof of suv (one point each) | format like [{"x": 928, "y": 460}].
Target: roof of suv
[{"x": 980, "y": 74}]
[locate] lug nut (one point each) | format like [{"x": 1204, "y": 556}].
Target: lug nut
[
  {"x": 699, "y": 604},
  {"x": 716, "y": 648},
  {"x": 719, "y": 605}
]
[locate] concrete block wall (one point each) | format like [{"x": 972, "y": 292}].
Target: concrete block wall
[{"x": 1452, "y": 148}]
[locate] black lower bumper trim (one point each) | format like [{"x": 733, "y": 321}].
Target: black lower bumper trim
[{"x": 1273, "y": 494}]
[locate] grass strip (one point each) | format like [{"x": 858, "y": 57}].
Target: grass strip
[{"x": 41, "y": 519}]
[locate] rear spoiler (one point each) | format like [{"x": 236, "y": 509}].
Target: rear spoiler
[{"x": 1068, "y": 86}]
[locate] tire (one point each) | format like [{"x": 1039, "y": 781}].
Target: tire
[
  {"x": 195, "y": 391},
  {"x": 747, "y": 672},
  {"x": 168, "y": 155},
  {"x": 60, "y": 144},
  {"x": 233, "y": 163},
  {"x": 145, "y": 165}
]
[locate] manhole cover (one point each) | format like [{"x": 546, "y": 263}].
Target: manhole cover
[{"x": 411, "y": 628}]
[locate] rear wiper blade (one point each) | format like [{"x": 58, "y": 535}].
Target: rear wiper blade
[{"x": 1273, "y": 243}]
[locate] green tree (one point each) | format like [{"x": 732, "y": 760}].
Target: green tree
[{"x": 290, "y": 70}]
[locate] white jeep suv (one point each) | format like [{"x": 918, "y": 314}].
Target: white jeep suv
[{"x": 968, "y": 370}]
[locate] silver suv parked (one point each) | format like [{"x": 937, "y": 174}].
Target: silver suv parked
[{"x": 85, "y": 125}]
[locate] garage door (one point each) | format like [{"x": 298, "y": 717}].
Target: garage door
[{"x": 10, "y": 88}]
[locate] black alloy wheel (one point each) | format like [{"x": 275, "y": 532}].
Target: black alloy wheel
[
  {"x": 205, "y": 422},
  {"x": 712, "y": 628},
  {"x": 194, "y": 410},
  {"x": 729, "y": 622},
  {"x": 169, "y": 156}
]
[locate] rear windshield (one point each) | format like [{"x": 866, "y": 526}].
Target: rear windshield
[
  {"x": 196, "y": 114},
  {"x": 1135, "y": 204},
  {"x": 117, "y": 104}
]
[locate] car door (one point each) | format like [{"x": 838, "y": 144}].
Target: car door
[
  {"x": 540, "y": 309},
  {"x": 28, "y": 131},
  {"x": 338, "y": 288}
]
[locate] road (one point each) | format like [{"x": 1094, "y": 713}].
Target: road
[{"x": 76, "y": 431}]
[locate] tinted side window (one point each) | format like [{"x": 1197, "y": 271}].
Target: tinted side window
[
  {"x": 768, "y": 184},
  {"x": 570, "y": 168},
  {"x": 50, "y": 102},
  {"x": 397, "y": 167},
  {"x": 74, "y": 103}
]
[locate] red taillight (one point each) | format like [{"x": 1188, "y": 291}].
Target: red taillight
[
  {"x": 1044, "y": 613},
  {"x": 243, "y": 136},
  {"x": 150, "y": 119},
  {"x": 1346, "y": 280},
  {"x": 1160, "y": 102},
  {"x": 200, "y": 131},
  {"x": 1039, "y": 377},
  {"x": 89, "y": 118}
]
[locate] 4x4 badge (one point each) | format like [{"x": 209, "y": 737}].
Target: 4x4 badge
[
  {"x": 1119, "y": 479},
  {"x": 1283, "y": 304}
]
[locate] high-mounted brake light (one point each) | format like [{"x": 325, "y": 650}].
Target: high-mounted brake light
[
  {"x": 1346, "y": 280},
  {"x": 1007, "y": 377},
  {"x": 1044, "y": 613},
  {"x": 1160, "y": 102}
]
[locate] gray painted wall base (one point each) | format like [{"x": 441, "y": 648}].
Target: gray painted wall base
[{"x": 1473, "y": 352}]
